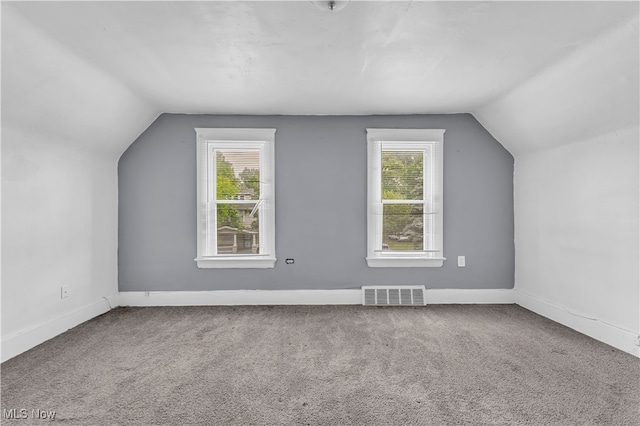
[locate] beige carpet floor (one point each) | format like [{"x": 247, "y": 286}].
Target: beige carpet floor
[{"x": 340, "y": 365}]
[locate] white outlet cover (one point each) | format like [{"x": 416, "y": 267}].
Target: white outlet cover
[{"x": 461, "y": 261}]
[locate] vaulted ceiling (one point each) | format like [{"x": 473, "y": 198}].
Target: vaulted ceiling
[{"x": 536, "y": 74}]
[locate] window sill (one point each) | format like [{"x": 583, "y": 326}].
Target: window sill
[
  {"x": 236, "y": 262},
  {"x": 404, "y": 262}
]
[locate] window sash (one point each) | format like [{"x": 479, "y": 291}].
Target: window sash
[
  {"x": 212, "y": 224},
  {"x": 428, "y": 245},
  {"x": 389, "y": 146}
]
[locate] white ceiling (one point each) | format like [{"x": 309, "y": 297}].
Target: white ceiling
[{"x": 292, "y": 58}]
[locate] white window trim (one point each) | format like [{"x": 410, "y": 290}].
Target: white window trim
[
  {"x": 236, "y": 138},
  {"x": 430, "y": 140}
]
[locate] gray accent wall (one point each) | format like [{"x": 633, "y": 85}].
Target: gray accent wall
[{"x": 321, "y": 206}]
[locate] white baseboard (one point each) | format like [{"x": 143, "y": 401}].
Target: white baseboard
[
  {"x": 240, "y": 297},
  {"x": 466, "y": 297},
  {"x": 620, "y": 338},
  {"x": 23, "y": 340},
  {"x": 296, "y": 297}
]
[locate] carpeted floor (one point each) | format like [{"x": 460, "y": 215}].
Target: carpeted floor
[{"x": 341, "y": 365}]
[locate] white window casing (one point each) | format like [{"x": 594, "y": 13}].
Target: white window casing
[
  {"x": 259, "y": 145},
  {"x": 429, "y": 203}
]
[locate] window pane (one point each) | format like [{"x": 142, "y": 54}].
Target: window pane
[
  {"x": 238, "y": 175},
  {"x": 237, "y": 230},
  {"x": 402, "y": 227},
  {"x": 402, "y": 175}
]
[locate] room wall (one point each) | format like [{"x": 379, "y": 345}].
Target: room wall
[
  {"x": 59, "y": 219},
  {"x": 577, "y": 231},
  {"x": 320, "y": 206}
]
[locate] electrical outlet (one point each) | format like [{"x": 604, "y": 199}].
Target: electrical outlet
[
  {"x": 461, "y": 261},
  {"x": 64, "y": 292}
]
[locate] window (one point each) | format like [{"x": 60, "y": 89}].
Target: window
[
  {"x": 235, "y": 187},
  {"x": 404, "y": 220}
]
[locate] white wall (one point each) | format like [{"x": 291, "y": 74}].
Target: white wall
[
  {"x": 577, "y": 215},
  {"x": 59, "y": 227}
]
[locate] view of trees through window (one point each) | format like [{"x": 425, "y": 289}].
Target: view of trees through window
[
  {"x": 402, "y": 182},
  {"x": 238, "y": 179}
]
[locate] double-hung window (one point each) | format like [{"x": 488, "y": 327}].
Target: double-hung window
[
  {"x": 404, "y": 220},
  {"x": 235, "y": 187}
]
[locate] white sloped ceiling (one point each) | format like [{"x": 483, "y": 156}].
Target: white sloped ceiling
[
  {"x": 536, "y": 74},
  {"x": 592, "y": 92},
  {"x": 49, "y": 92}
]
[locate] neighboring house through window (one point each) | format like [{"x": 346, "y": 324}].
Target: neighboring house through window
[
  {"x": 404, "y": 220},
  {"x": 235, "y": 187}
]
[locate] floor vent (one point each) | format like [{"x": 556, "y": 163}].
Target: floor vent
[{"x": 410, "y": 295}]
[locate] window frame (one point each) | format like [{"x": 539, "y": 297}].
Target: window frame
[
  {"x": 208, "y": 141},
  {"x": 430, "y": 141}
]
